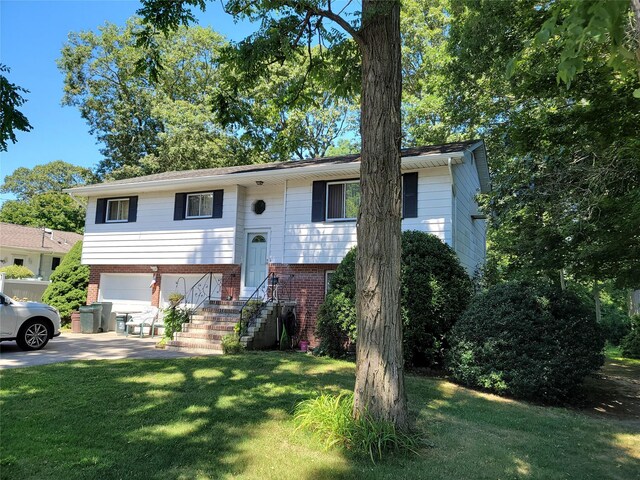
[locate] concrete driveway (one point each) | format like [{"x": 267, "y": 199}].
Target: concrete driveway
[{"x": 78, "y": 346}]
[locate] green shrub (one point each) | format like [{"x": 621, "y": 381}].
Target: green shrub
[
  {"x": 532, "y": 342},
  {"x": 17, "y": 271},
  {"x": 330, "y": 417},
  {"x": 231, "y": 345},
  {"x": 435, "y": 292},
  {"x": 630, "y": 345},
  {"x": 69, "y": 282},
  {"x": 173, "y": 319}
]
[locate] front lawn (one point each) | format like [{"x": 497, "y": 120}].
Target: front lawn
[{"x": 230, "y": 417}]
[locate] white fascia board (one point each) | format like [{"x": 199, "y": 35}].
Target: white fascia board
[{"x": 240, "y": 178}]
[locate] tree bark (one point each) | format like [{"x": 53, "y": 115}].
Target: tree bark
[{"x": 379, "y": 362}]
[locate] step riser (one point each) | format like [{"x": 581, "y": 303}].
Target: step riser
[
  {"x": 210, "y": 337},
  {"x": 206, "y": 328}
]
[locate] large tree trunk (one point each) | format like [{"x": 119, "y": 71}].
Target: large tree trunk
[{"x": 379, "y": 371}]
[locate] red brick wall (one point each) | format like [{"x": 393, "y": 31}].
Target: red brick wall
[
  {"x": 304, "y": 283},
  {"x": 307, "y": 284},
  {"x": 230, "y": 277}
]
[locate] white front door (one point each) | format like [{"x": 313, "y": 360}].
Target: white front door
[{"x": 256, "y": 265}]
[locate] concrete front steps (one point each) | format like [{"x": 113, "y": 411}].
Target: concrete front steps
[{"x": 204, "y": 333}]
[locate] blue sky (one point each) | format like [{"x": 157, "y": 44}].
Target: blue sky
[{"x": 31, "y": 36}]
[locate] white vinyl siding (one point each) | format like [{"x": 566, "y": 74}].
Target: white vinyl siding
[
  {"x": 117, "y": 210},
  {"x": 470, "y": 235},
  {"x": 329, "y": 242},
  {"x": 155, "y": 238}
]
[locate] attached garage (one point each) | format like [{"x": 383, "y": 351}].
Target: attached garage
[{"x": 129, "y": 292}]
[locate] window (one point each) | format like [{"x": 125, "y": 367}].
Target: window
[
  {"x": 340, "y": 200},
  {"x": 18, "y": 261},
  {"x": 327, "y": 281},
  {"x": 117, "y": 210},
  {"x": 199, "y": 205},
  {"x": 343, "y": 200},
  {"x": 55, "y": 263}
]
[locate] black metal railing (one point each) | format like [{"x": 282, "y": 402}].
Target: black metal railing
[
  {"x": 265, "y": 293},
  {"x": 200, "y": 292}
]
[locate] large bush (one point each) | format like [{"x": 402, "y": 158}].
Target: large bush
[
  {"x": 69, "y": 282},
  {"x": 435, "y": 292},
  {"x": 532, "y": 342},
  {"x": 17, "y": 271},
  {"x": 631, "y": 343}
]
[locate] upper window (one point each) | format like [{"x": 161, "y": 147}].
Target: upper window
[
  {"x": 343, "y": 200},
  {"x": 195, "y": 205},
  {"x": 199, "y": 205},
  {"x": 118, "y": 210}
]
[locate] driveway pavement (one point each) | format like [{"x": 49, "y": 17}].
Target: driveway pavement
[{"x": 78, "y": 346}]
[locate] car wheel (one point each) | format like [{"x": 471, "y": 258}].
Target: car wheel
[{"x": 33, "y": 335}]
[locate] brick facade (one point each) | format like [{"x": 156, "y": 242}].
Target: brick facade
[
  {"x": 230, "y": 277},
  {"x": 303, "y": 283},
  {"x": 307, "y": 284}
]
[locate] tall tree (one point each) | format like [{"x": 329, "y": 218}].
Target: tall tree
[
  {"x": 566, "y": 170},
  {"x": 40, "y": 199},
  {"x": 284, "y": 24},
  {"x": 195, "y": 113},
  {"x": 11, "y": 119}
]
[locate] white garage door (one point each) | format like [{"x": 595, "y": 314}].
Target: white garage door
[
  {"x": 128, "y": 292},
  {"x": 184, "y": 283}
]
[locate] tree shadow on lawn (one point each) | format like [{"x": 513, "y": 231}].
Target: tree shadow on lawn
[{"x": 215, "y": 417}]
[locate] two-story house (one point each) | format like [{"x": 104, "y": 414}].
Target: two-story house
[{"x": 149, "y": 236}]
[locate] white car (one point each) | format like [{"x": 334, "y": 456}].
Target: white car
[{"x": 30, "y": 324}]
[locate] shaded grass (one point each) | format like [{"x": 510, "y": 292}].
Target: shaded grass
[
  {"x": 231, "y": 417},
  {"x": 615, "y": 353}
]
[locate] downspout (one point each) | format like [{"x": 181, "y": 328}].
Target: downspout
[
  {"x": 453, "y": 205},
  {"x": 284, "y": 219}
]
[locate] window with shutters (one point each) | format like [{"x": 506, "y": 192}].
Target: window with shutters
[
  {"x": 199, "y": 205},
  {"x": 343, "y": 200},
  {"x": 117, "y": 210}
]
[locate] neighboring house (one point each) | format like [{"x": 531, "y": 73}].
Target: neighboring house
[
  {"x": 39, "y": 249},
  {"x": 150, "y": 236}
]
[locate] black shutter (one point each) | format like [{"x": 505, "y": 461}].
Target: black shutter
[
  {"x": 218, "y": 196},
  {"x": 410, "y": 195},
  {"x": 101, "y": 210},
  {"x": 133, "y": 209},
  {"x": 179, "y": 206},
  {"x": 318, "y": 201}
]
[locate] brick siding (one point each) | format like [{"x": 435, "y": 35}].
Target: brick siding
[{"x": 304, "y": 283}]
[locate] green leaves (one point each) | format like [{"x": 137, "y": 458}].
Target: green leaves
[{"x": 11, "y": 119}]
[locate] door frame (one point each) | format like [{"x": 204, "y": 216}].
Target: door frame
[{"x": 243, "y": 272}]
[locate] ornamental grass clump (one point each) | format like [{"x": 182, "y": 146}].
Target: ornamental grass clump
[{"x": 330, "y": 417}]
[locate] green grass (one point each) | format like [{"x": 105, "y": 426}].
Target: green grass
[
  {"x": 615, "y": 353},
  {"x": 231, "y": 417}
]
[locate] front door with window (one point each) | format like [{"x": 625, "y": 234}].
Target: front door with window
[{"x": 256, "y": 265}]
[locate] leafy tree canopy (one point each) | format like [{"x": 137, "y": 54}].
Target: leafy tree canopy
[
  {"x": 566, "y": 171},
  {"x": 196, "y": 112},
  {"x": 54, "y": 176},
  {"x": 11, "y": 119}
]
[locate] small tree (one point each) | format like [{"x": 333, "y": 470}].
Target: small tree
[{"x": 69, "y": 282}]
